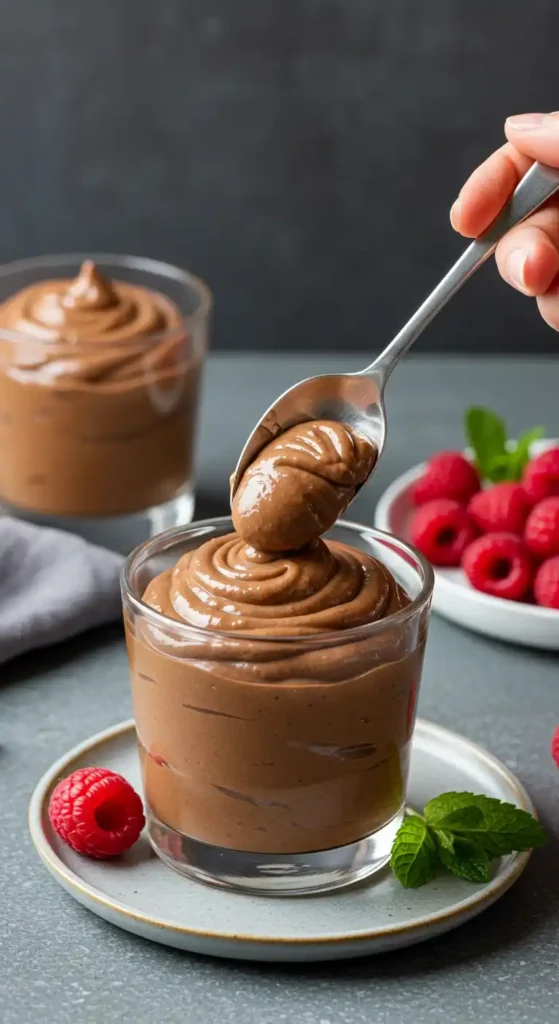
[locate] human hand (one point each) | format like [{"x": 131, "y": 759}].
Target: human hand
[{"x": 528, "y": 256}]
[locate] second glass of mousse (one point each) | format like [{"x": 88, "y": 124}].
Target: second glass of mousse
[
  {"x": 100, "y": 363},
  {"x": 275, "y": 688}
]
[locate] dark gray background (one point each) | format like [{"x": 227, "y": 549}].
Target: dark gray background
[{"x": 300, "y": 154}]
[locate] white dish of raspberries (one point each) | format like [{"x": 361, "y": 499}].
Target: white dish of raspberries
[{"x": 494, "y": 546}]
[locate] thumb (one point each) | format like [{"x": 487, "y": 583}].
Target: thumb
[{"x": 535, "y": 135}]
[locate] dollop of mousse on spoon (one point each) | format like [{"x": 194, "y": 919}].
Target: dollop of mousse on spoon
[
  {"x": 300, "y": 484},
  {"x": 275, "y": 576}
]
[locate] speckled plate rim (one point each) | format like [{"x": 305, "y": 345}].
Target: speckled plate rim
[{"x": 361, "y": 942}]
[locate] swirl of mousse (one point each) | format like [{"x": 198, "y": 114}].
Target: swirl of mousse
[
  {"x": 92, "y": 329},
  {"x": 299, "y": 484},
  {"x": 228, "y": 586}
]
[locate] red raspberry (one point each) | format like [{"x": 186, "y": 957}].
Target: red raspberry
[
  {"x": 500, "y": 565},
  {"x": 555, "y": 746},
  {"x": 502, "y": 508},
  {"x": 96, "y": 812},
  {"x": 442, "y": 530},
  {"x": 542, "y": 529},
  {"x": 546, "y": 583},
  {"x": 541, "y": 476},
  {"x": 448, "y": 475}
]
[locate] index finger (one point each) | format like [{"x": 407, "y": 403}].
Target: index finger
[{"x": 487, "y": 190}]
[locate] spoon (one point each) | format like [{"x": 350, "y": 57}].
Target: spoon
[{"x": 357, "y": 399}]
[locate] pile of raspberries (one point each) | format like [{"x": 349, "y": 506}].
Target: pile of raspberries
[{"x": 505, "y": 537}]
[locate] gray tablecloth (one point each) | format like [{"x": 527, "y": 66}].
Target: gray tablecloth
[{"x": 52, "y": 586}]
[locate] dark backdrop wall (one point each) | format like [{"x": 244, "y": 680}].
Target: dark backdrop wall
[{"x": 300, "y": 154}]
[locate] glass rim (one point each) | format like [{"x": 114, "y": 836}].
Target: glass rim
[
  {"x": 315, "y": 639},
  {"x": 145, "y": 264}
]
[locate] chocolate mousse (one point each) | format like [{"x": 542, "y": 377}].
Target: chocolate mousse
[
  {"x": 98, "y": 394},
  {"x": 300, "y": 484},
  {"x": 278, "y": 723}
]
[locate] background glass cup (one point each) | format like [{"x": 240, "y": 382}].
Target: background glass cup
[
  {"x": 277, "y": 766},
  {"x": 110, "y": 456}
]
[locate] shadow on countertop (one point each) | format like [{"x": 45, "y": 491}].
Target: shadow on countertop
[{"x": 43, "y": 660}]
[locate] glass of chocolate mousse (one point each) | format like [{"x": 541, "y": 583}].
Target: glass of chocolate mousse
[
  {"x": 100, "y": 362},
  {"x": 274, "y": 697}
]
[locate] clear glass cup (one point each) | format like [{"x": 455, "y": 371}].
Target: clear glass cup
[
  {"x": 107, "y": 451},
  {"x": 275, "y": 766}
]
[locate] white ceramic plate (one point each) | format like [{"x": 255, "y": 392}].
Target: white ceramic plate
[
  {"x": 140, "y": 894},
  {"x": 453, "y": 596}
]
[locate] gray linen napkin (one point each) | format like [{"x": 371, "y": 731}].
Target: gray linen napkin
[{"x": 52, "y": 586}]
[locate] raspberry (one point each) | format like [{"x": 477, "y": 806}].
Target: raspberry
[
  {"x": 500, "y": 565},
  {"x": 555, "y": 746},
  {"x": 96, "y": 812},
  {"x": 442, "y": 530},
  {"x": 546, "y": 583},
  {"x": 541, "y": 476},
  {"x": 542, "y": 529},
  {"x": 448, "y": 475},
  {"x": 500, "y": 509}
]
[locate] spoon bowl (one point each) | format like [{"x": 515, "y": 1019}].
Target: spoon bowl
[{"x": 357, "y": 399}]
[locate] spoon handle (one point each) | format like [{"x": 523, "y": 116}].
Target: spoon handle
[{"x": 536, "y": 186}]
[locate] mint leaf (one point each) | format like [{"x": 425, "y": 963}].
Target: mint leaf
[
  {"x": 414, "y": 853},
  {"x": 444, "y": 839},
  {"x": 520, "y": 457},
  {"x": 498, "y": 828},
  {"x": 487, "y": 435},
  {"x": 500, "y": 468},
  {"x": 463, "y": 857},
  {"x": 466, "y": 818},
  {"x": 440, "y": 808}
]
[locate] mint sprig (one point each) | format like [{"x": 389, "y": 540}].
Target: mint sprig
[
  {"x": 462, "y": 833},
  {"x": 487, "y": 434}
]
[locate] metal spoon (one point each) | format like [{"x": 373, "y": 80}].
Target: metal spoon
[{"x": 357, "y": 399}]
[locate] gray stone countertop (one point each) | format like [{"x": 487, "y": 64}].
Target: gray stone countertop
[{"x": 62, "y": 965}]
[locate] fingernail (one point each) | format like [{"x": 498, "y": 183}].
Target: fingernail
[
  {"x": 526, "y": 122},
  {"x": 514, "y": 266},
  {"x": 455, "y": 212}
]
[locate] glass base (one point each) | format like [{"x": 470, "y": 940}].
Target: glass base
[
  {"x": 118, "y": 533},
  {"x": 268, "y": 874}
]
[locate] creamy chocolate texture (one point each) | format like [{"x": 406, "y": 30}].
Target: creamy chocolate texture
[
  {"x": 226, "y": 585},
  {"x": 90, "y": 308},
  {"x": 277, "y": 724},
  {"x": 98, "y": 390},
  {"x": 286, "y": 755},
  {"x": 300, "y": 484}
]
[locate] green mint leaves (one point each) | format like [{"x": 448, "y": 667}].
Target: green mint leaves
[
  {"x": 497, "y": 827},
  {"x": 462, "y": 832},
  {"x": 487, "y": 435},
  {"x": 463, "y": 857},
  {"x": 414, "y": 853}
]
